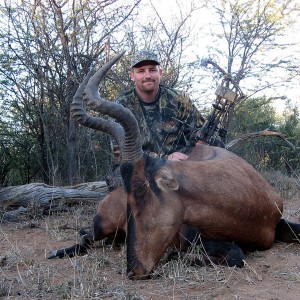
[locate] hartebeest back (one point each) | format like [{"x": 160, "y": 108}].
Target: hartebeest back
[{"x": 215, "y": 191}]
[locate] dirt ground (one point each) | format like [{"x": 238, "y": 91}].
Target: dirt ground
[{"x": 26, "y": 273}]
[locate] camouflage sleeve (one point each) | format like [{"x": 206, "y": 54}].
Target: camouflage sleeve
[{"x": 189, "y": 115}]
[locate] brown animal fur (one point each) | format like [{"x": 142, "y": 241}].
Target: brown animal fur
[
  {"x": 110, "y": 222},
  {"x": 220, "y": 194}
]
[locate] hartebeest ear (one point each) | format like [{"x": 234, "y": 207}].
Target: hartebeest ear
[{"x": 165, "y": 181}]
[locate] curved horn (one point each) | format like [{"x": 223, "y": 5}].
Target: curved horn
[
  {"x": 127, "y": 134},
  {"x": 79, "y": 113}
]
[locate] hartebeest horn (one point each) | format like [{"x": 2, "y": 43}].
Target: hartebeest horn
[{"x": 127, "y": 134}]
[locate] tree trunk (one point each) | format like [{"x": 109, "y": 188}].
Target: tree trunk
[
  {"x": 16, "y": 199},
  {"x": 73, "y": 148}
]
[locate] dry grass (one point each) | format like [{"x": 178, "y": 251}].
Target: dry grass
[{"x": 27, "y": 274}]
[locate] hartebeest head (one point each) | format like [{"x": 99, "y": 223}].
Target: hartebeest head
[{"x": 215, "y": 191}]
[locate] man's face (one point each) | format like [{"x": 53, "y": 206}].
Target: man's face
[{"x": 146, "y": 77}]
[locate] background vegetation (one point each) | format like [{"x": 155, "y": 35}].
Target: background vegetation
[{"x": 47, "y": 46}]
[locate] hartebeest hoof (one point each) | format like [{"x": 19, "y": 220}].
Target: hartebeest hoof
[{"x": 68, "y": 252}]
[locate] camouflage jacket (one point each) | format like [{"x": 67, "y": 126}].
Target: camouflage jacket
[{"x": 168, "y": 124}]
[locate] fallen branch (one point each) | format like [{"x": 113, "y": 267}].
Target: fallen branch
[
  {"x": 48, "y": 196},
  {"x": 252, "y": 135}
]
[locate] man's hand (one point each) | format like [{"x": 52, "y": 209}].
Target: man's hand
[{"x": 177, "y": 156}]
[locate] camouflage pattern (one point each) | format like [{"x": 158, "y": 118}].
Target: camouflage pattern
[
  {"x": 168, "y": 124},
  {"x": 144, "y": 55}
]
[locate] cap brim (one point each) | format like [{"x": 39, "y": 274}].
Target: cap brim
[{"x": 145, "y": 62}]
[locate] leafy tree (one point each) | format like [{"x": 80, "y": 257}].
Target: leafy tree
[
  {"x": 290, "y": 127},
  {"x": 47, "y": 48},
  {"x": 249, "y": 43},
  {"x": 267, "y": 153},
  {"x": 253, "y": 115}
]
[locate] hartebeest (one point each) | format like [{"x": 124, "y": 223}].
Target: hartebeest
[
  {"x": 216, "y": 191},
  {"x": 110, "y": 224}
]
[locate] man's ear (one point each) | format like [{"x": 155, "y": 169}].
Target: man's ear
[{"x": 160, "y": 70}]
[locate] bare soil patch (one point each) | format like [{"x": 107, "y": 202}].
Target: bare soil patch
[{"x": 27, "y": 274}]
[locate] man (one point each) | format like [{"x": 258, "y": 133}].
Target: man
[{"x": 167, "y": 118}]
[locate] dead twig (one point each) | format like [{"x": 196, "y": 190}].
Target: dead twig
[{"x": 253, "y": 135}]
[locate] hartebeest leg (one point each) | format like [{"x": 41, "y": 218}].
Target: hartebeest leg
[
  {"x": 108, "y": 223},
  {"x": 287, "y": 232},
  {"x": 86, "y": 241},
  {"x": 215, "y": 252},
  {"x": 88, "y": 238},
  {"x": 223, "y": 253}
]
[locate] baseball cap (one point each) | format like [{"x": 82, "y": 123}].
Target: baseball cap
[{"x": 144, "y": 55}]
